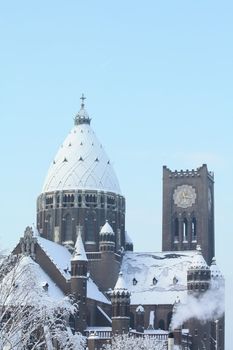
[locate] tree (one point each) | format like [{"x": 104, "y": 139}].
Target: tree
[
  {"x": 126, "y": 342},
  {"x": 34, "y": 313}
]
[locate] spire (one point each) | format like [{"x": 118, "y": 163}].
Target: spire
[
  {"x": 120, "y": 285},
  {"x": 79, "y": 251},
  {"x": 82, "y": 117}
]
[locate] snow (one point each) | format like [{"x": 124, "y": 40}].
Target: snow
[
  {"x": 28, "y": 274},
  {"x": 79, "y": 251},
  {"x": 164, "y": 266},
  {"x": 215, "y": 271},
  {"x": 61, "y": 257},
  {"x": 81, "y": 163},
  {"x": 104, "y": 314},
  {"x": 140, "y": 308},
  {"x": 94, "y": 293},
  {"x": 152, "y": 318},
  {"x": 98, "y": 329},
  {"x": 106, "y": 229},
  {"x": 198, "y": 261},
  {"x": 120, "y": 285},
  {"x": 128, "y": 238},
  {"x": 58, "y": 254}
]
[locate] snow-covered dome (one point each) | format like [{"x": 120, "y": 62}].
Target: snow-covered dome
[
  {"x": 106, "y": 229},
  {"x": 81, "y": 162},
  {"x": 198, "y": 261}
]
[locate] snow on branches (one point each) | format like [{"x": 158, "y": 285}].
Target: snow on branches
[
  {"x": 125, "y": 342},
  {"x": 34, "y": 313}
]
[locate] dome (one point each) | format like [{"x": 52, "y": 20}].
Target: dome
[
  {"x": 81, "y": 162},
  {"x": 106, "y": 229},
  {"x": 198, "y": 261}
]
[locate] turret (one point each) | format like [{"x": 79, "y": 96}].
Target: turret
[
  {"x": 198, "y": 274},
  {"x": 217, "y": 279},
  {"x": 107, "y": 238},
  {"x": 120, "y": 298},
  {"x": 128, "y": 242},
  {"x": 79, "y": 282}
]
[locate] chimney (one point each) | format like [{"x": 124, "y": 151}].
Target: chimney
[
  {"x": 170, "y": 341},
  {"x": 178, "y": 337}
]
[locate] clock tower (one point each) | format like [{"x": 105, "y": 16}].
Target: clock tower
[{"x": 188, "y": 210}]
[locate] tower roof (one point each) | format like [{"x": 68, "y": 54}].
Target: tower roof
[
  {"x": 120, "y": 285},
  {"x": 215, "y": 271},
  {"x": 106, "y": 229},
  {"x": 79, "y": 251},
  {"x": 81, "y": 162},
  {"x": 198, "y": 261}
]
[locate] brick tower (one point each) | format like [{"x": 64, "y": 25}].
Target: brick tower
[
  {"x": 120, "y": 299},
  {"x": 188, "y": 210},
  {"x": 78, "y": 284}
]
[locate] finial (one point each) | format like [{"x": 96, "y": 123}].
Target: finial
[
  {"x": 82, "y": 117},
  {"x": 83, "y": 98}
]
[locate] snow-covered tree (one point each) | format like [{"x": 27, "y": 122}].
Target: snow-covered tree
[
  {"x": 125, "y": 342},
  {"x": 34, "y": 313}
]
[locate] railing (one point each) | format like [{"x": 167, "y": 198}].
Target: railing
[
  {"x": 151, "y": 334},
  {"x": 103, "y": 334}
]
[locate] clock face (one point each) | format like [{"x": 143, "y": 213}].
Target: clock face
[{"x": 184, "y": 196}]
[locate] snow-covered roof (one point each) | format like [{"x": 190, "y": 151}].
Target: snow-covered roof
[
  {"x": 81, "y": 162},
  {"x": 169, "y": 269},
  {"x": 79, "y": 251},
  {"x": 31, "y": 285},
  {"x": 106, "y": 229},
  {"x": 94, "y": 293},
  {"x": 198, "y": 261},
  {"x": 61, "y": 258},
  {"x": 58, "y": 254}
]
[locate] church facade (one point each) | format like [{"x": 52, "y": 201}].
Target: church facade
[{"x": 81, "y": 219}]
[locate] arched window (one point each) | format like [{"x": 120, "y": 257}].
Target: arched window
[
  {"x": 176, "y": 230},
  {"x": 194, "y": 230},
  {"x": 48, "y": 223},
  {"x": 161, "y": 324},
  {"x": 68, "y": 228},
  {"x": 185, "y": 230}
]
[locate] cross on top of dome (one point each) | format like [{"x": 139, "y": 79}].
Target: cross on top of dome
[{"x": 82, "y": 117}]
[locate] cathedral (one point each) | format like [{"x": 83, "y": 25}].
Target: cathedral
[{"x": 80, "y": 241}]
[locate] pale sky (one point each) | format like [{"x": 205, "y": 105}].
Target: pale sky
[{"x": 158, "y": 80}]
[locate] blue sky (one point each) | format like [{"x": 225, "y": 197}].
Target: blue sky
[{"x": 158, "y": 80}]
